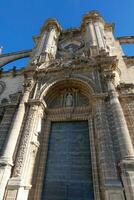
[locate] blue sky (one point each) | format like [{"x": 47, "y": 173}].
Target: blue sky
[{"x": 21, "y": 19}]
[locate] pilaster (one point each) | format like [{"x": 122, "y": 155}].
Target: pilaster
[
  {"x": 91, "y": 33},
  {"x": 99, "y": 35}
]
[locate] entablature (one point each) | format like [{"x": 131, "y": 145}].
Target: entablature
[{"x": 82, "y": 63}]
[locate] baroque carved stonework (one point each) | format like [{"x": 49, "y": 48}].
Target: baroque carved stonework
[{"x": 27, "y": 131}]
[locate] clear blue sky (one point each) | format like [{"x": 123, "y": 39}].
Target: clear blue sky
[{"x": 21, "y": 19}]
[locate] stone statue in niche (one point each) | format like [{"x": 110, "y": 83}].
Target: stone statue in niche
[{"x": 69, "y": 100}]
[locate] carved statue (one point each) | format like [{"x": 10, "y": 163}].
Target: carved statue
[{"x": 69, "y": 100}]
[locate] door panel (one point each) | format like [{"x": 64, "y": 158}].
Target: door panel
[{"x": 68, "y": 174}]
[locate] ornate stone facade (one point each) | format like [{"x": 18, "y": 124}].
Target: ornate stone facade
[{"x": 74, "y": 75}]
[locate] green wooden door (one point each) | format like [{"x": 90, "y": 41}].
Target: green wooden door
[{"x": 68, "y": 173}]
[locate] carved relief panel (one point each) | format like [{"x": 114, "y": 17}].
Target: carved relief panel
[{"x": 69, "y": 97}]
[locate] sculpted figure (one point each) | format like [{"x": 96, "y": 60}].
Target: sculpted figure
[{"x": 69, "y": 99}]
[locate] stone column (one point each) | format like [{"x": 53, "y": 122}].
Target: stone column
[
  {"x": 20, "y": 182},
  {"x": 6, "y": 160},
  {"x": 126, "y": 162},
  {"x": 99, "y": 35},
  {"x": 4, "y": 132},
  {"x": 90, "y": 38},
  {"x": 125, "y": 143},
  {"x": 91, "y": 33},
  {"x": 10, "y": 146},
  {"x": 111, "y": 187}
]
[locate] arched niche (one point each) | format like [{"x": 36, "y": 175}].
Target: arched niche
[{"x": 67, "y": 93}]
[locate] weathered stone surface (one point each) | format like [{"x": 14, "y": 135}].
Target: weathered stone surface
[{"x": 74, "y": 75}]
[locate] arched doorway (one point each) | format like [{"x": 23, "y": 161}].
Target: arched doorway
[{"x": 66, "y": 162}]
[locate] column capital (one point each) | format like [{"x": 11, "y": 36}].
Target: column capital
[
  {"x": 38, "y": 103},
  {"x": 108, "y": 75},
  {"x": 28, "y": 84}
]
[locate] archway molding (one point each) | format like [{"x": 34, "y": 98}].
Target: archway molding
[{"x": 53, "y": 86}]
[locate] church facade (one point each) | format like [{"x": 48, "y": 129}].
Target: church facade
[{"x": 67, "y": 118}]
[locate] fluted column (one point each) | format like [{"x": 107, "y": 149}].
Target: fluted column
[{"x": 107, "y": 166}]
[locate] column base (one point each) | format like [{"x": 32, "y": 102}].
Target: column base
[
  {"x": 127, "y": 175},
  {"x": 113, "y": 190},
  {"x": 5, "y": 161},
  {"x": 5, "y": 173},
  {"x": 129, "y": 158},
  {"x": 17, "y": 189}
]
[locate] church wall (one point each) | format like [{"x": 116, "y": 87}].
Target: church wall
[
  {"x": 11, "y": 89},
  {"x": 126, "y": 72},
  {"x": 12, "y": 85},
  {"x": 128, "y": 108}
]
